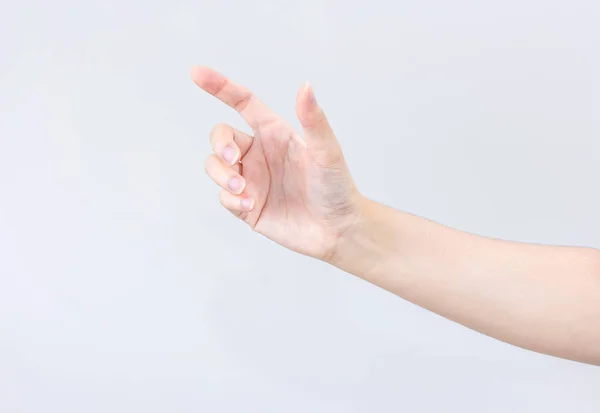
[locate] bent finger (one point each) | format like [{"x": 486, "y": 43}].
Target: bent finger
[
  {"x": 229, "y": 143},
  {"x": 235, "y": 203},
  {"x": 224, "y": 175}
]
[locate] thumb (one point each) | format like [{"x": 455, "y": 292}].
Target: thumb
[{"x": 317, "y": 131}]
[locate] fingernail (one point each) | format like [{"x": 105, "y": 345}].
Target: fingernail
[
  {"x": 247, "y": 204},
  {"x": 236, "y": 185},
  {"x": 310, "y": 94},
  {"x": 229, "y": 154}
]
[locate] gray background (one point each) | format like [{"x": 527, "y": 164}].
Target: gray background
[{"x": 124, "y": 287}]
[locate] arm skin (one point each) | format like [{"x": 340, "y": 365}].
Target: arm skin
[
  {"x": 298, "y": 192},
  {"x": 541, "y": 298}
]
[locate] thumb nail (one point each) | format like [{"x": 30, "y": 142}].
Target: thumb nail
[{"x": 310, "y": 94}]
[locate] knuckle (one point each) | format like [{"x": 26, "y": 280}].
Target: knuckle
[
  {"x": 243, "y": 102},
  {"x": 219, "y": 129}
]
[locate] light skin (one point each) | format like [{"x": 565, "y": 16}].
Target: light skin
[{"x": 296, "y": 190}]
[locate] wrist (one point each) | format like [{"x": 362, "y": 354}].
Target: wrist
[{"x": 362, "y": 245}]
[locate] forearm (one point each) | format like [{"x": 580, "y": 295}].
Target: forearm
[{"x": 542, "y": 298}]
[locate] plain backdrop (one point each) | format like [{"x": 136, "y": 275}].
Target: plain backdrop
[{"x": 124, "y": 286}]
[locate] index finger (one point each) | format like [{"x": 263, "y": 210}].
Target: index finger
[{"x": 232, "y": 94}]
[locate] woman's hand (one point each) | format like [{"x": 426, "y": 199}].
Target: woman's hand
[{"x": 297, "y": 192}]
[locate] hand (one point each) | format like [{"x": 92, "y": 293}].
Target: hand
[{"x": 297, "y": 192}]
